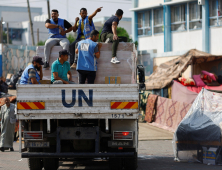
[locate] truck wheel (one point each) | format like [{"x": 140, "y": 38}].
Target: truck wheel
[
  {"x": 51, "y": 163},
  {"x": 115, "y": 164},
  {"x": 131, "y": 163},
  {"x": 34, "y": 163}
]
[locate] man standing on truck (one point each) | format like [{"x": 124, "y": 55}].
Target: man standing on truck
[
  {"x": 88, "y": 51},
  {"x": 57, "y": 34},
  {"x": 30, "y": 75},
  {"x": 8, "y": 121},
  {"x": 60, "y": 70},
  {"x": 109, "y": 34},
  {"x": 84, "y": 26}
]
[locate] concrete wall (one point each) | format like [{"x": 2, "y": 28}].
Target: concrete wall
[
  {"x": 215, "y": 40},
  {"x": 153, "y": 42},
  {"x": 143, "y": 3},
  {"x": 15, "y": 58},
  {"x": 187, "y": 40}
]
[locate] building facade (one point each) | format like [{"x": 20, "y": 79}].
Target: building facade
[
  {"x": 15, "y": 16},
  {"x": 172, "y": 27}
]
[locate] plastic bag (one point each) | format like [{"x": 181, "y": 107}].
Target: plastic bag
[
  {"x": 14, "y": 79},
  {"x": 3, "y": 87},
  {"x": 201, "y": 127}
]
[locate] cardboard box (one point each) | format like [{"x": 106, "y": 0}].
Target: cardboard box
[
  {"x": 9, "y": 76},
  {"x": 112, "y": 80},
  {"x": 45, "y": 81},
  {"x": 209, "y": 155}
]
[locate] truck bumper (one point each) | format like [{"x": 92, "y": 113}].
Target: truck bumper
[{"x": 76, "y": 155}]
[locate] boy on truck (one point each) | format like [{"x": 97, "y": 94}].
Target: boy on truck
[
  {"x": 60, "y": 71},
  {"x": 84, "y": 26},
  {"x": 109, "y": 34}
]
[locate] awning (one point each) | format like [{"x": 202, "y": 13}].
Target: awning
[
  {"x": 177, "y": 2},
  {"x": 146, "y": 7},
  {"x": 160, "y": 5}
]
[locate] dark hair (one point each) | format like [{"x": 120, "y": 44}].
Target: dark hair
[
  {"x": 55, "y": 10},
  {"x": 119, "y": 12},
  {"x": 83, "y": 9},
  {"x": 94, "y": 33}
]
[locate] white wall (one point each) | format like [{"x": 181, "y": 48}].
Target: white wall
[
  {"x": 144, "y": 3},
  {"x": 26, "y": 34},
  {"x": 187, "y": 40},
  {"x": 216, "y": 40},
  {"x": 17, "y": 16},
  {"x": 43, "y": 32},
  {"x": 126, "y": 25},
  {"x": 153, "y": 42}
]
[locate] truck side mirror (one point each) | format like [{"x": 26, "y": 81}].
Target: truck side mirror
[{"x": 141, "y": 74}]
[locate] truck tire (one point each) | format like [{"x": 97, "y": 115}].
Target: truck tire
[
  {"x": 51, "y": 163},
  {"x": 131, "y": 163},
  {"x": 34, "y": 163},
  {"x": 115, "y": 164}
]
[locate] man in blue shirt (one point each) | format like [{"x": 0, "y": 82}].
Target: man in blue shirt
[
  {"x": 30, "y": 75},
  {"x": 60, "y": 70},
  {"x": 57, "y": 28},
  {"x": 88, "y": 51},
  {"x": 109, "y": 34},
  {"x": 84, "y": 26}
]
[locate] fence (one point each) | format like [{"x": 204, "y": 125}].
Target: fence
[{"x": 15, "y": 57}]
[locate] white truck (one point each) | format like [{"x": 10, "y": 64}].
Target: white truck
[{"x": 81, "y": 121}]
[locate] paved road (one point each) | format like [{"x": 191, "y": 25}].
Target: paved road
[{"x": 153, "y": 155}]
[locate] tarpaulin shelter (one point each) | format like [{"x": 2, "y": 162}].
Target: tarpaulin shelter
[
  {"x": 173, "y": 69},
  {"x": 202, "y": 125}
]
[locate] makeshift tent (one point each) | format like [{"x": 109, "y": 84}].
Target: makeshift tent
[
  {"x": 202, "y": 125},
  {"x": 166, "y": 72}
]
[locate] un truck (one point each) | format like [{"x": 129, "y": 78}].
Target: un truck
[{"x": 82, "y": 121}]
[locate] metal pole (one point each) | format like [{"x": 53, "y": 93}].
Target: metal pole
[
  {"x": 7, "y": 34},
  {"x": 26, "y": 55},
  {"x": 20, "y": 136},
  {"x": 48, "y": 5},
  {"x": 37, "y": 35},
  {"x": 1, "y": 31},
  {"x": 31, "y": 24},
  {"x": 67, "y": 9}
]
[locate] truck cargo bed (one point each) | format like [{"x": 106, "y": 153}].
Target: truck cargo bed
[{"x": 126, "y": 54}]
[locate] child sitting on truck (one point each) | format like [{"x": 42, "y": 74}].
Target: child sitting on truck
[{"x": 60, "y": 69}]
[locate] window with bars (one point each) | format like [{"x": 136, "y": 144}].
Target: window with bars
[
  {"x": 144, "y": 23},
  {"x": 158, "y": 21},
  {"x": 195, "y": 16},
  {"x": 178, "y": 18},
  {"x": 215, "y": 9}
]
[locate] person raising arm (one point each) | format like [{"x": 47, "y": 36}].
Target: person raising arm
[{"x": 84, "y": 26}]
